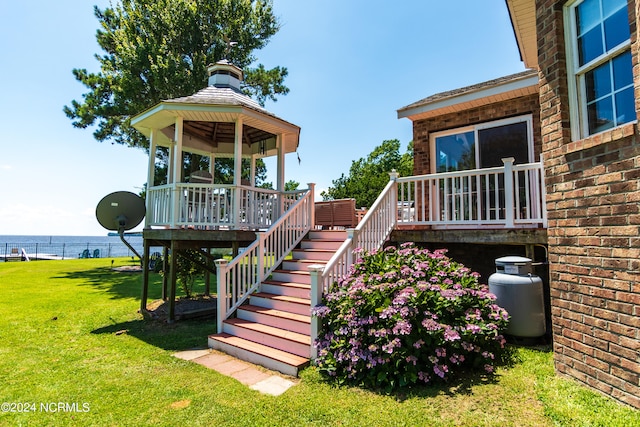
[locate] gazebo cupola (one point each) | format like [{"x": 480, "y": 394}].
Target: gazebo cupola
[
  {"x": 225, "y": 74},
  {"x": 218, "y": 121}
]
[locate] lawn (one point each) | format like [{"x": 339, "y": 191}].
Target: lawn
[{"x": 74, "y": 351}]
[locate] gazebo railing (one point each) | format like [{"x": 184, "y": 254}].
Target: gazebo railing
[{"x": 214, "y": 206}]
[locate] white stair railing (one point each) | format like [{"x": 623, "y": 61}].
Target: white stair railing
[
  {"x": 370, "y": 235},
  {"x": 240, "y": 277}
]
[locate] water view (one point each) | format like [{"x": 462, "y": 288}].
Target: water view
[{"x": 67, "y": 247}]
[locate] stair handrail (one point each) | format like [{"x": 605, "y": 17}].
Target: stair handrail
[
  {"x": 370, "y": 234},
  {"x": 239, "y": 278}
]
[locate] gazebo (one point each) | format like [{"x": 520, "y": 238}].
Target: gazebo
[{"x": 195, "y": 212}]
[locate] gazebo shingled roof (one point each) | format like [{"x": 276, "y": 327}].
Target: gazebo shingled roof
[{"x": 209, "y": 120}]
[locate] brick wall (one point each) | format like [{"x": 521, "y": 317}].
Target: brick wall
[
  {"x": 515, "y": 107},
  {"x": 593, "y": 190}
]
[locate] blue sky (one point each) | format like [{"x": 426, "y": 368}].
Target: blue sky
[{"x": 351, "y": 65}]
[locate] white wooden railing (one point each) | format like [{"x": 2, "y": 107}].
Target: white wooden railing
[
  {"x": 511, "y": 196},
  {"x": 211, "y": 206},
  {"x": 238, "y": 278},
  {"x": 370, "y": 235},
  {"x": 505, "y": 197}
]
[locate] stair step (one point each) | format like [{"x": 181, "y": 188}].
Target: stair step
[
  {"x": 294, "y": 322},
  {"x": 301, "y": 264},
  {"x": 281, "y": 302},
  {"x": 322, "y": 255},
  {"x": 291, "y": 342},
  {"x": 297, "y": 276},
  {"x": 321, "y": 244},
  {"x": 328, "y": 234},
  {"x": 259, "y": 354},
  {"x": 293, "y": 289}
]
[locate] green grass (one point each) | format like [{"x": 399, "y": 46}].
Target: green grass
[{"x": 70, "y": 333}]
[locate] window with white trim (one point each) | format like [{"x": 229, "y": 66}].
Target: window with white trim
[
  {"x": 483, "y": 145},
  {"x": 599, "y": 65}
]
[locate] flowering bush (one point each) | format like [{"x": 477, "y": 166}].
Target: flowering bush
[{"x": 407, "y": 316}]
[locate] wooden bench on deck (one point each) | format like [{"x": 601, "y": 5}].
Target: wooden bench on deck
[{"x": 336, "y": 213}]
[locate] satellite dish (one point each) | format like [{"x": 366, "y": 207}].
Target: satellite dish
[{"x": 121, "y": 211}]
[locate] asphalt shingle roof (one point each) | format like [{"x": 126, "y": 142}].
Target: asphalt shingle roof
[
  {"x": 212, "y": 95},
  {"x": 470, "y": 89}
]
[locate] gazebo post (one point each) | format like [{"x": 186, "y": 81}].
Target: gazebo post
[
  {"x": 175, "y": 160},
  {"x": 212, "y": 167},
  {"x": 173, "y": 272},
  {"x": 151, "y": 173},
  {"x": 237, "y": 172},
  {"x": 280, "y": 173},
  {"x": 178, "y": 149},
  {"x": 145, "y": 278},
  {"x": 252, "y": 178}
]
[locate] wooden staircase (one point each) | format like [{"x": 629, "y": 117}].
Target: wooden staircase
[{"x": 273, "y": 329}]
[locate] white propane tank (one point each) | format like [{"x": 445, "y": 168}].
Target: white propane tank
[{"x": 519, "y": 292}]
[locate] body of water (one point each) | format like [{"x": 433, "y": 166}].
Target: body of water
[{"x": 66, "y": 247}]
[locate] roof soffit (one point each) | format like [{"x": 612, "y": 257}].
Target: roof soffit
[
  {"x": 197, "y": 116},
  {"x": 523, "y": 21}
]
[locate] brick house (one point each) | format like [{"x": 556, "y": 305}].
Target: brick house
[
  {"x": 473, "y": 128},
  {"x": 586, "y": 54},
  {"x": 580, "y": 99}
]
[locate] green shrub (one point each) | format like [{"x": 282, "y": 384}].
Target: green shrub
[{"x": 407, "y": 316}]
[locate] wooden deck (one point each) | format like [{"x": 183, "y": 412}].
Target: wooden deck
[
  {"x": 187, "y": 238},
  {"x": 484, "y": 236}
]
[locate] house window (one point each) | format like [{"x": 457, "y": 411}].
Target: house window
[
  {"x": 483, "y": 145},
  {"x": 601, "y": 82}
]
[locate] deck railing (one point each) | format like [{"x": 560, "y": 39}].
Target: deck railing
[
  {"x": 211, "y": 206},
  {"x": 506, "y": 197},
  {"x": 369, "y": 235},
  {"x": 238, "y": 278},
  {"x": 510, "y": 196}
]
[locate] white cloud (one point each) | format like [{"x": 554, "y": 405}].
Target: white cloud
[{"x": 47, "y": 219}]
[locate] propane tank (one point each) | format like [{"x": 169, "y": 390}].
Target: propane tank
[{"x": 520, "y": 292}]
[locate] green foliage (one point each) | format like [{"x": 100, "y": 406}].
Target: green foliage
[
  {"x": 291, "y": 185},
  {"x": 161, "y": 49},
  {"x": 263, "y": 84},
  {"x": 368, "y": 176},
  {"x": 408, "y": 316},
  {"x": 189, "y": 267}
]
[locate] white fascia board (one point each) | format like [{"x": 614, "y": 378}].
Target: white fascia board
[{"x": 165, "y": 113}]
